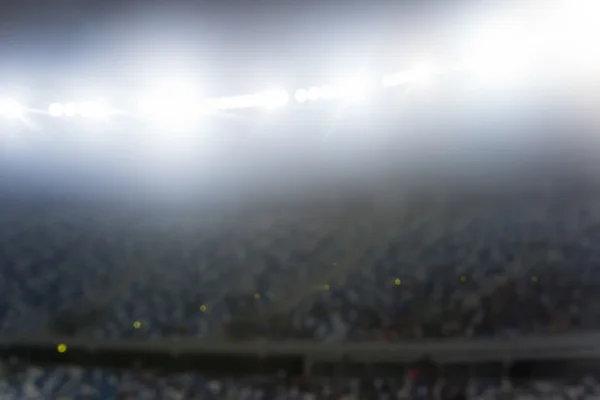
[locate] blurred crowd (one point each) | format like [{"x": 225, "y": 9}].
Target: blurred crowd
[
  {"x": 70, "y": 383},
  {"x": 508, "y": 271},
  {"x": 192, "y": 284},
  {"x": 53, "y": 259},
  {"x": 127, "y": 274},
  {"x": 518, "y": 266}
]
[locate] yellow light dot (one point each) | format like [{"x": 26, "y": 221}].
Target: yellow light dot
[
  {"x": 203, "y": 308},
  {"x": 137, "y": 324},
  {"x": 61, "y": 348},
  {"x": 326, "y": 286},
  {"x": 463, "y": 278},
  {"x": 534, "y": 278},
  {"x": 256, "y": 296},
  {"x": 398, "y": 282}
]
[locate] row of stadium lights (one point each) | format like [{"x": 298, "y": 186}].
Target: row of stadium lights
[
  {"x": 177, "y": 102},
  {"x": 565, "y": 30}
]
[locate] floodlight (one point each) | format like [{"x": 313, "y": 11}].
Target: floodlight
[
  {"x": 11, "y": 108},
  {"x": 421, "y": 74},
  {"x": 395, "y": 79},
  {"x": 235, "y": 102},
  {"x": 229, "y": 103},
  {"x": 247, "y": 101},
  {"x": 170, "y": 102},
  {"x": 217, "y": 104},
  {"x": 274, "y": 98},
  {"x": 56, "y": 110},
  {"x": 70, "y": 109},
  {"x": 570, "y": 34},
  {"x": 329, "y": 92},
  {"x": 499, "y": 53},
  {"x": 354, "y": 88},
  {"x": 93, "y": 109},
  {"x": 301, "y": 95},
  {"x": 314, "y": 93}
]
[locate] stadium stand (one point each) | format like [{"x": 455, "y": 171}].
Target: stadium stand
[
  {"x": 20, "y": 379},
  {"x": 513, "y": 274},
  {"x": 507, "y": 267},
  {"x": 427, "y": 177},
  {"x": 501, "y": 270}
]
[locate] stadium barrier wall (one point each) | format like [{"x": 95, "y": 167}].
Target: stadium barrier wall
[{"x": 564, "y": 347}]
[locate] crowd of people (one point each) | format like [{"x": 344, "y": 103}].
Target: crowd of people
[
  {"x": 52, "y": 259},
  {"x": 72, "y": 382},
  {"x": 519, "y": 266},
  {"x": 493, "y": 268},
  {"x": 503, "y": 272},
  {"x": 126, "y": 275},
  {"x": 211, "y": 277}
]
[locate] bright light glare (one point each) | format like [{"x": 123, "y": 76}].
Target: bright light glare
[
  {"x": 93, "y": 109},
  {"x": 314, "y": 93},
  {"x": 570, "y": 34},
  {"x": 395, "y": 79},
  {"x": 171, "y": 103},
  {"x": 353, "y": 88},
  {"x": 274, "y": 98},
  {"x": 218, "y": 104},
  {"x": 301, "y": 95},
  {"x": 330, "y": 92},
  {"x": 56, "y": 110},
  {"x": 271, "y": 99},
  {"x": 70, "y": 109},
  {"x": 11, "y": 109},
  {"x": 422, "y": 74},
  {"x": 500, "y": 53},
  {"x": 163, "y": 108},
  {"x": 230, "y": 103},
  {"x": 239, "y": 102},
  {"x": 248, "y": 101}
]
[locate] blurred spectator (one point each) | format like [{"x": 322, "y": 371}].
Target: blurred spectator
[{"x": 33, "y": 382}]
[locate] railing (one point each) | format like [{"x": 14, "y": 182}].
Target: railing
[{"x": 570, "y": 346}]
